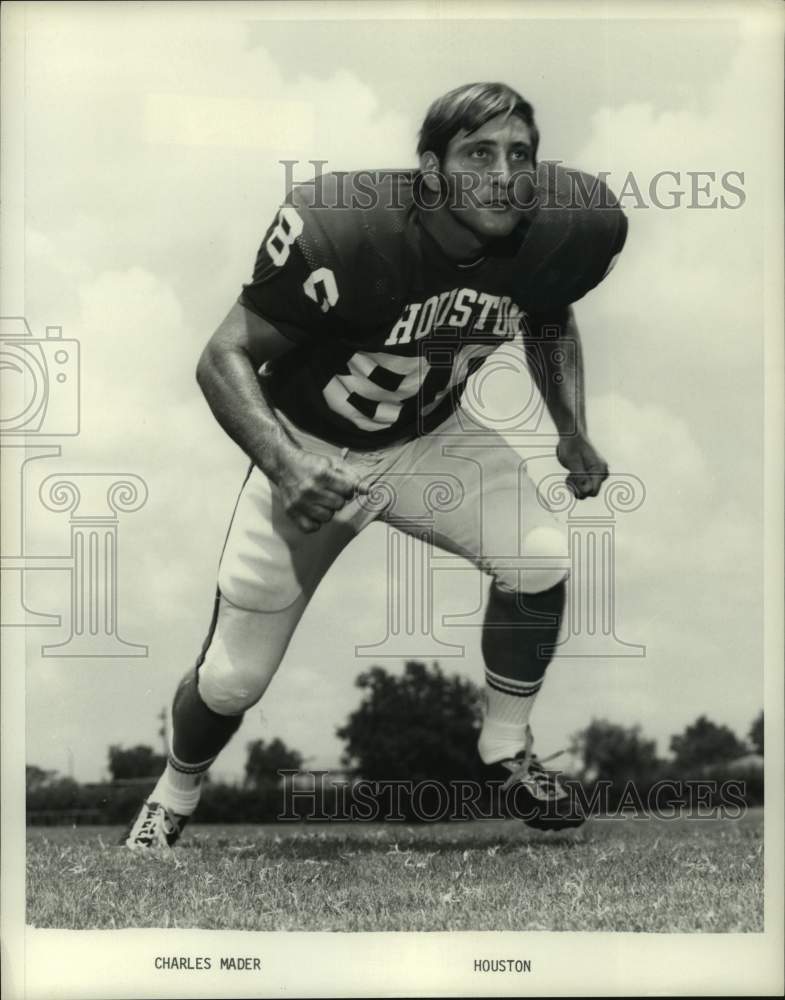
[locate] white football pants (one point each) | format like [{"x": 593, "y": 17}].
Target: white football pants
[{"x": 467, "y": 493}]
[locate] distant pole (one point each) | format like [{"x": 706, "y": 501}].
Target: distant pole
[
  {"x": 70, "y": 753},
  {"x": 162, "y": 731}
]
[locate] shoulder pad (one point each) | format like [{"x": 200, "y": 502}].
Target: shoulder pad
[{"x": 580, "y": 229}]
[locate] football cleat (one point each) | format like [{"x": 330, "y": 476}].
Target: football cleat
[
  {"x": 536, "y": 795},
  {"x": 154, "y": 826}
]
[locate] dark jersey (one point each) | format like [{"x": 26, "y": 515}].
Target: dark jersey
[{"x": 386, "y": 328}]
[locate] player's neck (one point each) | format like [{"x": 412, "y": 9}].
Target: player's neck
[{"x": 455, "y": 241}]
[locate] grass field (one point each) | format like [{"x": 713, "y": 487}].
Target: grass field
[{"x": 611, "y": 875}]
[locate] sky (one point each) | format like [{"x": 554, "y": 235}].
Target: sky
[{"x": 153, "y": 143}]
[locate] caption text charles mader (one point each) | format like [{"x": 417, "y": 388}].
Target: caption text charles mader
[{"x": 205, "y": 963}]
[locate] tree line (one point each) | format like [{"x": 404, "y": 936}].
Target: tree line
[{"x": 420, "y": 725}]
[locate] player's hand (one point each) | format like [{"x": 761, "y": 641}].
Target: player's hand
[
  {"x": 313, "y": 487},
  {"x": 588, "y": 469}
]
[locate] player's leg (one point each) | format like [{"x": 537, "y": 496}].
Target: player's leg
[
  {"x": 268, "y": 571},
  {"x": 520, "y": 631},
  {"x": 241, "y": 656},
  {"x": 499, "y": 524}
]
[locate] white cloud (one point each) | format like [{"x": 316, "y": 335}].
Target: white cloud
[{"x": 690, "y": 277}]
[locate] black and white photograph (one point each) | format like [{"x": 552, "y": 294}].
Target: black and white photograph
[{"x": 392, "y": 489}]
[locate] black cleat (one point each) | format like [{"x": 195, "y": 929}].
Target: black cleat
[{"x": 534, "y": 794}]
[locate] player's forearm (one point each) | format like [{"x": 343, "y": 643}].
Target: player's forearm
[
  {"x": 228, "y": 379},
  {"x": 555, "y": 360}
]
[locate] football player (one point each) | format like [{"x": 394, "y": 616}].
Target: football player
[{"x": 340, "y": 370}]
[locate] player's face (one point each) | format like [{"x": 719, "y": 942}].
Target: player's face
[{"x": 490, "y": 174}]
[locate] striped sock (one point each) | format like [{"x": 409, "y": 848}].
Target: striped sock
[
  {"x": 509, "y": 705},
  {"x": 517, "y": 644},
  {"x": 180, "y": 786}
]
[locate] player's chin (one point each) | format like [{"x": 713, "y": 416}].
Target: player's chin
[{"x": 491, "y": 223}]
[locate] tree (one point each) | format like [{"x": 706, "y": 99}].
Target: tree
[
  {"x": 135, "y": 762},
  {"x": 756, "y": 734},
  {"x": 615, "y": 753},
  {"x": 705, "y": 743},
  {"x": 265, "y": 760},
  {"x": 419, "y": 725},
  {"x": 36, "y": 777}
]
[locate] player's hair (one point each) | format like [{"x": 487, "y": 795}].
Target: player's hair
[{"x": 469, "y": 107}]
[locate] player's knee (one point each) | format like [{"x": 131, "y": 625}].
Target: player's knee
[
  {"x": 225, "y": 689},
  {"x": 545, "y": 564},
  {"x": 233, "y": 676},
  {"x": 244, "y": 653}
]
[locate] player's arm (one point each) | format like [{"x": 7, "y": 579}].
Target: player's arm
[
  {"x": 312, "y": 486},
  {"x": 554, "y": 356}
]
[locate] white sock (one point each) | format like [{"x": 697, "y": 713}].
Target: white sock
[
  {"x": 179, "y": 789},
  {"x": 509, "y": 706}
]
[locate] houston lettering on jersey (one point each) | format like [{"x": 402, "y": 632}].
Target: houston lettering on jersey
[{"x": 457, "y": 307}]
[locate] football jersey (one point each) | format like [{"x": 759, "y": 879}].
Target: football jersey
[{"x": 386, "y": 329}]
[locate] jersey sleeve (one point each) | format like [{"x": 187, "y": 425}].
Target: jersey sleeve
[{"x": 292, "y": 286}]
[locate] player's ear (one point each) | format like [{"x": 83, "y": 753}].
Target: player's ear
[{"x": 430, "y": 172}]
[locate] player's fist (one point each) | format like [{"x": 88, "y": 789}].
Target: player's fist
[
  {"x": 314, "y": 487},
  {"x": 588, "y": 469}
]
